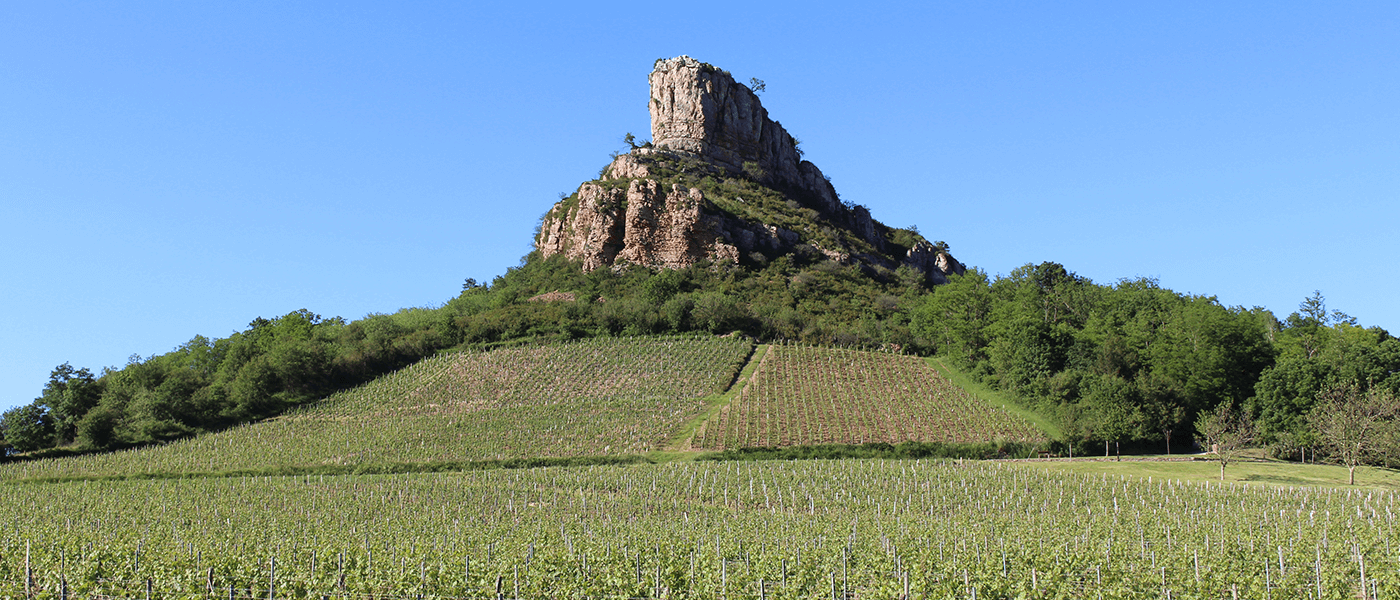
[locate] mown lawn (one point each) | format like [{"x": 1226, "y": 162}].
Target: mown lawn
[{"x": 1255, "y": 470}]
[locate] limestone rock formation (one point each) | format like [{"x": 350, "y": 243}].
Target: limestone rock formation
[
  {"x": 711, "y": 128},
  {"x": 645, "y": 224},
  {"x": 937, "y": 264},
  {"x": 700, "y": 110}
]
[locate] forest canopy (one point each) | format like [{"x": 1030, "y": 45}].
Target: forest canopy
[{"x": 1135, "y": 362}]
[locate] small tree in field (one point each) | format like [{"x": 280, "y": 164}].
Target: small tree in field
[
  {"x": 1226, "y": 431},
  {"x": 1354, "y": 426}
]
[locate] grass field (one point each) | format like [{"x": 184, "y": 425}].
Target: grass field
[{"x": 1256, "y": 470}]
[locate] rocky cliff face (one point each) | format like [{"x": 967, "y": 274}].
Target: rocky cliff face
[
  {"x": 645, "y": 223},
  {"x": 646, "y": 210},
  {"x": 700, "y": 110}
]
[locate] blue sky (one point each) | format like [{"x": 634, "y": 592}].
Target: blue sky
[{"x": 172, "y": 169}]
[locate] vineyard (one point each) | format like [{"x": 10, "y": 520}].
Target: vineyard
[
  {"x": 806, "y": 395},
  {"x": 604, "y": 396},
  {"x": 741, "y": 530},
  {"x": 816, "y": 529}
]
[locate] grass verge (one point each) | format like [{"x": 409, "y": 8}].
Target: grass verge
[
  {"x": 994, "y": 398},
  {"x": 715, "y": 402}
]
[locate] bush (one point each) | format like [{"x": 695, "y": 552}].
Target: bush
[
  {"x": 98, "y": 429},
  {"x": 716, "y": 312}
]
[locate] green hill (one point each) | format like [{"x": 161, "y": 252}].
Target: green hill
[
  {"x": 595, "y": 397},
  {"x": 716, "y": 226}
]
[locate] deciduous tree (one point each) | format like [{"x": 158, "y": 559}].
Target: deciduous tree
[
  {"x": 954, "y": 317},
  {"x": 1355, "y": 426},
  {"x": 1226, "y": 432},
  {"x": 69, "y": 395},
  {"x": 28, "y": 428}
]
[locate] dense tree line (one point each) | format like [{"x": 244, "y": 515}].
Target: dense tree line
[
  {"x": 209, "y": 384},
  {"x": 1128, "y": 363},
  {"x": 1134, "y": 362}
]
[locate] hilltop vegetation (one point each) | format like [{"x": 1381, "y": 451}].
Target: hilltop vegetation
[
  {"x": 210, "y": 384},
  {"x": 1130, "y": 362}
]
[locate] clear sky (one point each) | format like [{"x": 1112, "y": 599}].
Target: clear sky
[{"x": 178, "y": 168}]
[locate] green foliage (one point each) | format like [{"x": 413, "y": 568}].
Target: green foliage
[
  {"x": 28, "y": 427},
  {"x": 1130, "y": 362},
  {"x": 717, "y": 312},
  {"x": 98, "y": 428},
  {"x": 1358, "y": 426},
  {"x": 69, "y": 395},
  {"x": 903, "y": 240},
  {"x": 1115, "y": 406},
  {"x": 206, "y": 385},
  {"x": 1225, "y": 431},
  {"x": 1319, "y": 350},
  {"x": 955, "y": 316},
  {"x": 661, "y": 287},
  {"x": 754, "y": 171}
]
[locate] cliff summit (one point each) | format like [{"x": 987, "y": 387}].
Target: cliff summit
[{"x": 722, "y": 182}]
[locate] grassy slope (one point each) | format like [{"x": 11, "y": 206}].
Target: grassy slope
[
  {"x": 418, "y": 413},
  {"x": 994, "y": 398},
  {"x": 583, "y": 399}
]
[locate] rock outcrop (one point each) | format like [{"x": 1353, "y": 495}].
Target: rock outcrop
[
  {"x": 635, "y": 214},
  {"x": 937, "y": 264},
  {"x": 645, "y": 224},
  {"x": 700, "y": 110}
]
